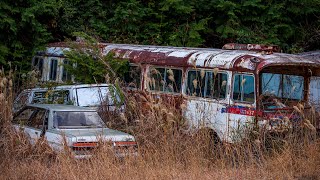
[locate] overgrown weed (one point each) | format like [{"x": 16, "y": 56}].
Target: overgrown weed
[{"x": 167, "y": 150}]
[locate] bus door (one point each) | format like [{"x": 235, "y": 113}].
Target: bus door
[
  {"x": 207, "y": 98},
  {"x": 241, "y": 110}
]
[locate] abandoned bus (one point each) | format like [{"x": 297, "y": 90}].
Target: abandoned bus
[{"x": 227, "y": 90}]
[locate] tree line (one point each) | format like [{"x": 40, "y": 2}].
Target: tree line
[{"x": 27, "y": 25}]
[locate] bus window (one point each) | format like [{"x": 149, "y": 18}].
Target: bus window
[
  {"x": 216, "y": 85},
  {"x": 38, "y": 65},
  {"x": 53, "y": 69},
  {"x": 204, "y": 83},
  {"x": 195, "y": 83},
  {"x": 165, "y": 80},
  {"x": 66, "y": 77},
  {"x": 243, "y": 88},
  {"x": 35, "y": 62},
  {"x": 133, "y": 77},
  {"x": 173, "y": 80}
]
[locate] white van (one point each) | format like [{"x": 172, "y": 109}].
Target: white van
[{"x": 84, "y": 95}]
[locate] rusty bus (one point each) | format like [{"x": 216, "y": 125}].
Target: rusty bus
[{"x": 226, "y": 90}]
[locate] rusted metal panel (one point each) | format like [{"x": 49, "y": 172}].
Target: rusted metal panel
[
  {"x": 312, "y": 55},
  {"x": 268, "y": 49},
  {"x": 235, "y": 60}
]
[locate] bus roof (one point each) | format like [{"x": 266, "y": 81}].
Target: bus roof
[{"x": 237, "y": 60}]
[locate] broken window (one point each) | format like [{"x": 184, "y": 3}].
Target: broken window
[
  {"x": 282, "y": 85},
  {"x": 243, "y": 88},
  {"x": 21, "y": 101},
  {"x": 37, "y": 119},
  {"x": 208, "y": 84},
  {"x": 165, "y": 79},
  {"x": 133, "y": 77},
  {"x": 23, "y": 117}
]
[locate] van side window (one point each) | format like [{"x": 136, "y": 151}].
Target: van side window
[
  {"x": 165, "y": 80},
  {"x": 207, "y": 83},
  {"x": 243, "y": 88},
  {"x": 53, "y": 69},
  {"x": 21, "y": 100},
  {"x": 39, "y": 98},
  {"x": 133, "y": 77},
  {"x": 51, "y": 97}
]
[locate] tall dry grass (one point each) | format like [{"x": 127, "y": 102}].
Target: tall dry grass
[{"x": 167, "y": 150}]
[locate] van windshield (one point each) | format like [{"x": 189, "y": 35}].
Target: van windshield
[
  {"x": 94, "y": 96},
  {"x": 74, "y": 119}
]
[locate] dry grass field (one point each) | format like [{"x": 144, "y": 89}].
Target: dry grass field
[{"x": 166, "y": 151}]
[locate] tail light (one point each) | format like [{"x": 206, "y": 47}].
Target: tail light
[
  {"x": 84, "y": 146},
  {"x": 125, "y": 147}
]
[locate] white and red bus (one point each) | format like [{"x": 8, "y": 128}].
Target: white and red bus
[{"x": 226, "y": 90}]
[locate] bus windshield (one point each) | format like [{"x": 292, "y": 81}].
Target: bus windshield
[{"x": 282, "y": 86}]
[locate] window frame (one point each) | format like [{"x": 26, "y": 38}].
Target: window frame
[
  {"x": 254, "y": 87},
  {"x": 166, "y": 68},
  {"x": 205, "y": 86}
]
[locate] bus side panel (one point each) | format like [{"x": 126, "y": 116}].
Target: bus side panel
[{"x": 207, "y": 114}]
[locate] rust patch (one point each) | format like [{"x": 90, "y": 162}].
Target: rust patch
[{"x": 252, "y": 47}]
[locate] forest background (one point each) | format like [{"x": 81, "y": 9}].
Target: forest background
[{"x": 28, "y": 25}]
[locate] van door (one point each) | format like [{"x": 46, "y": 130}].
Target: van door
[{"x": 32, "y": 122}]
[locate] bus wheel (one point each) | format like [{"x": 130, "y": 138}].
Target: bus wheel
[{"x": 212, "y": 142}]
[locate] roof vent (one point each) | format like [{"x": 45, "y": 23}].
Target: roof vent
[{"x": 265, "y": 49}]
